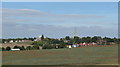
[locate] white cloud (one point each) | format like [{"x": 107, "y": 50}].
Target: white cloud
[
  {"x": 31, "y": 16},
  {"x": 30, "y": 13},
  {"x": 30, "y": 23}
]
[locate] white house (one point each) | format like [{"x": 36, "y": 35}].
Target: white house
[
  {"x": 69, "y": 46},
  {"x": 11, "y": 41},
  {"x": 16, "y": 41},
  {"x": 17, "y": 49}
]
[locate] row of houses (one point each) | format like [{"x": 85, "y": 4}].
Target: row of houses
[
  {"x": 12, "y": 41},
  {"x": 80, "y": 44}
]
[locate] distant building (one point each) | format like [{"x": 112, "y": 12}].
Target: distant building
[
  {"x": 11, "y": 41},
  {"x": 81, "y": 44},
  {"x": 26, "y": 40},
  {"x": 74, "y": 45},
  {"x": 69, "y": 46},
  {"x": 15, "y": 49},
  {"x": 19, "y": 40},
  {"x": 38, "y": 38},
  {"x": 66, "y": 41},
  {"x": 16, "y": 41},
  {"x": 5, "y": 41}
]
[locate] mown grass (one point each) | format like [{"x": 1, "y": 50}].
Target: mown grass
[{"x": 74, "y": 56}]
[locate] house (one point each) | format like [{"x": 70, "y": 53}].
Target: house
[
  {"x": 84, "y": 44},
  {"x": 101, "y": 42},
  {"x": 80, "y": 44},
  {"x": 5, "y": 41},
  {"x": 11, "y": 41},
  {"x": 40, "y": 47},
  {"x": 66, "y": 41},
  {"x": 56, "y": 45},
  {"x": 37, "y": 39},
  {"x": 26, "y": 40},
  {"x": 69, "y": 46},
  {"x": 16, "y": 41},
  {"x": 94, "y": 43},
  {"x": 90, "y": 44},
  {"x": 74, "y": 45},
  {"x": 112, "y": 43},
  {"x": 17, "y": 49},
  {"x": 19, "y": 40}
]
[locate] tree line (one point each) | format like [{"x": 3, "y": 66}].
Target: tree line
[
  {"x": 35, "y": 47},
  {"x": 51, "y": 43}
]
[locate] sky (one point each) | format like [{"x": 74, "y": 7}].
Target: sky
[{"x": 59, "y": 19}]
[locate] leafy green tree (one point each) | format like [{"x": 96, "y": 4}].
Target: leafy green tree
[
  {"x": 62, "y": 45},
  {"x": 3, "y": 49},
  {"x": 22, "y": 48},
  {"x": 15, "y": 47},
  {"x": 8, "y": 48},
  {"x": 40, "y": 43},
  {"x": 47, "y": 46},
  {"x": 76, "y": 39},
  {"x": 96, "y": 39},
  {"x": 67, "y": 38},
  {"x": 29, "y": 48},
  {"x": 42, "y": 37},
  {"x": 36, "y": 47}
]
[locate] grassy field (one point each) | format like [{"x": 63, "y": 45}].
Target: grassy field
[{"x": 74, "y": 56}]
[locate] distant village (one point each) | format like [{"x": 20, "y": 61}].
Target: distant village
[{"x": 42, "y": 42}]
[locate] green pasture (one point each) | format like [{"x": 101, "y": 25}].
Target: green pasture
[{"x": 74, "y": 56}]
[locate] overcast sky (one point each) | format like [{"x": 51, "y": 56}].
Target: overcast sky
[{"x": 59, "y": 19}]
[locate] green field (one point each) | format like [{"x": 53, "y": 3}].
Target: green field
[{"x": 74, "y": 56}]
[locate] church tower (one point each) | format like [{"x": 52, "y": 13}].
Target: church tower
[{"x": 75, "y": 32}]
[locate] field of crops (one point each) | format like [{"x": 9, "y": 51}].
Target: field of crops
[{"x": 74, "y": 56}]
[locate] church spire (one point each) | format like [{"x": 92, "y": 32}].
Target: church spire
[{"x": 75, "y": 32}]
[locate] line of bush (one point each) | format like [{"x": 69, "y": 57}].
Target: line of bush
[{"x": 35, "y": 47}]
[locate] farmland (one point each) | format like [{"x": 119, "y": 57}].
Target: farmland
[{"x": 74, "y": 56}]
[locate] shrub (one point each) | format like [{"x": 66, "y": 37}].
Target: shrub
[
  {"x": 3, "y": 49},
  {"x": 8, "y": 48},
  {"x": 36, "y": 47},
  {"x": 28, "y": 48},
  {"x": 47, "y": 46},
  {"x": 22, "y": 48},
  {"x": 16, "y": 47}
]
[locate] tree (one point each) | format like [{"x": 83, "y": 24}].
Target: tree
[
  {"x": 15, "y": 47},
  {"x": 47, "y": 46},
  {"x": 3, "y": 49},
  {"x": 76, "y": 39},
  {"x": 8, "y": 48},
  {"x": 67, "y": 38},
  {"x": 28, "y": 48},
  {"x": 40, "y": 43},
  {"x": 36, "y": 47},
  {"x": 22, "y": 48},
  {"x": 42, "y": 37},
  {"x": 96, "y": 38},
  {"x": 62, "y": 45}
]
